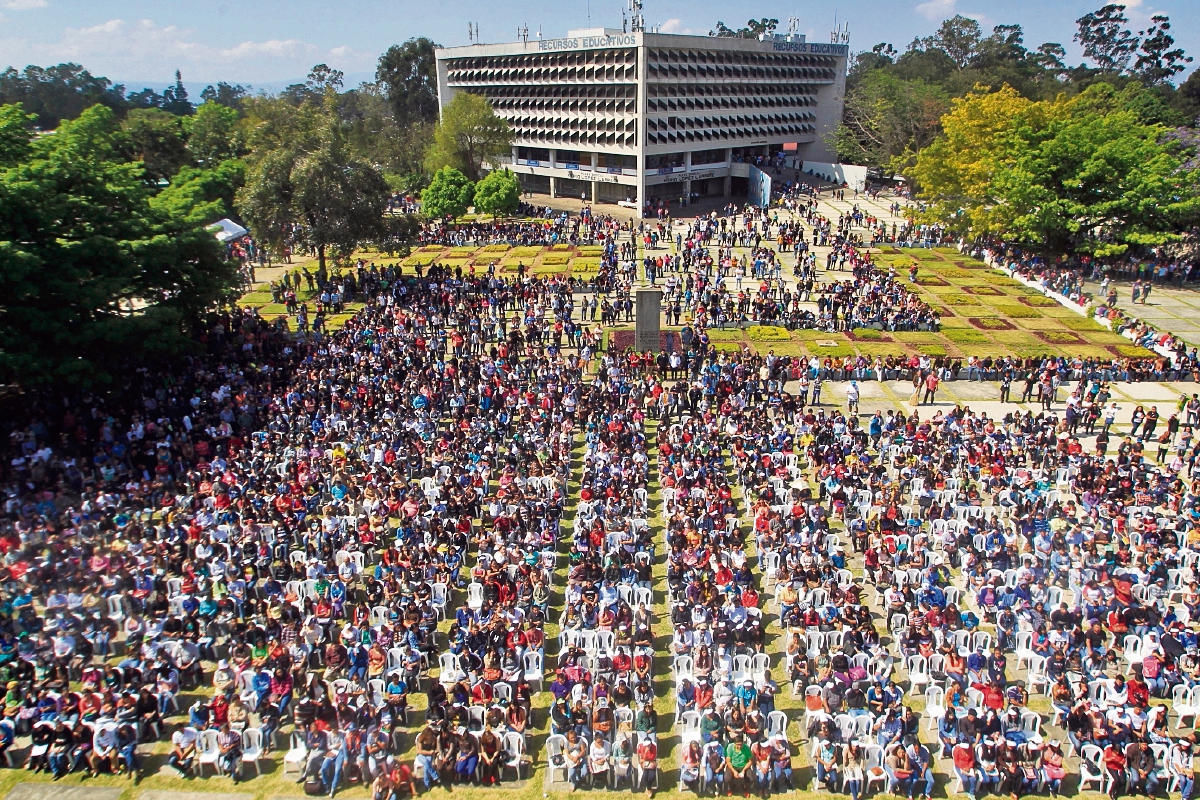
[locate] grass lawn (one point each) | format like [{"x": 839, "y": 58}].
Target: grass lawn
[{"x": 984, "y": 313}]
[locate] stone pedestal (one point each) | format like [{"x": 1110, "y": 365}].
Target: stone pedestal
[{"x": 648, "y": 320}]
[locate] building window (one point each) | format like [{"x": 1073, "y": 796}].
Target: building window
[
  {"x": 617, "y": 162},
  {"x": 664, "y": 161},
  {"x": 708, "y": 157},
  {"x": 539, "y": 154}
]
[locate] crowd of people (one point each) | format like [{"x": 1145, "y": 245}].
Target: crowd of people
[{"x": 312, "y": 529}]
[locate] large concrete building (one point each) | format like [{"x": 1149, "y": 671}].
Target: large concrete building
[{"x": 634, "y": 118}]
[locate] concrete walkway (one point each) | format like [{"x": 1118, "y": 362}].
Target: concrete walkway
[{"x": 1170, "y": 309}]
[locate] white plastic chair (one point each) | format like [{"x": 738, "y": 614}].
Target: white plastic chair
[{"x": 252, "y": 747}]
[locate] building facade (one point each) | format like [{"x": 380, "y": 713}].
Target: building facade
[{"x": 635, "y": 118}]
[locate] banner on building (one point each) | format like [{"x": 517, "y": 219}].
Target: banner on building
[{"x": 759, "y": 191}]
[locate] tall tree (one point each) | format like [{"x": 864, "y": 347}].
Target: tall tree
[
  {"x": 59, "y": 92},
  {"x": 1081, "y": 174},
  {"x": 959, "y": 38},
  {"x": 1158, "y": 59},
  {"x": 886, "y": 120},
  {"x": 156, "y": 138},
  {"x": 754, "y": 28},
  {"x": 175, "y": 98},
  {"x": 408, "y": 74},
  {"x": 468, "y": 134},
  {"x": 225, "y": 94},
  {"x": 212, "y": 133},
  {"x": 302, "y": 172},
  {"x": 1106, "y": 41},
  {"x": 88, "y": 293}
]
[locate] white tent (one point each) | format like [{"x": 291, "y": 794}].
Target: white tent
[{"x": 227, "y": 230}]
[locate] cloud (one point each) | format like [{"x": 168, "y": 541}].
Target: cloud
[
  {"x": 23, "y": 5},
  {"x": 673, "y": 26},
  {"x": 937, "y": 10},
  {"x": 144, "y": 50}
]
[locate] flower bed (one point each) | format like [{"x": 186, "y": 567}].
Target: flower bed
[
  {"x": 991, "y": 323},
  {"x": 555, "y": 259},
  {"x": 965, "y": 336},
  {"x": 867, "y": 335},
  {"x": 960, "y": 299},
  {"x": 1017, "y": 312},
  {"x": 495, "y": 248},
  {"x": 1081, "y": 324},
  {"x": 767, "y": 333},
  {"x": 1059, "y": 337},
  {"x": 931, "y": 280},
  {"x": 983, "y": 291},
  {"x": 1038, "y": 301}
]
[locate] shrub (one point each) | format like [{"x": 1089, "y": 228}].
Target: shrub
[
  {"x": 1038, "y": 301},
  {"x": 1132, "y": 351},
  {"x": 1075, "y": 323},
  {"x": 868, "y": 334},
  {"x": 952, "y": 272},
  {"x": 932, "y": 350},
  {"x": 960, "y": 299},
  {"x": 1059, "y": 337},
  {"x": 964, "y": 336},
  {"x": 768, "y": 333},
  {"x": 1017, "y": 312}
]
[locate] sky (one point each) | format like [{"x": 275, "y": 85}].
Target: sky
[{"x": 269, "y": 43}]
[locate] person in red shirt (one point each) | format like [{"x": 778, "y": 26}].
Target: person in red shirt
[{"x": 1114, "y": 765}]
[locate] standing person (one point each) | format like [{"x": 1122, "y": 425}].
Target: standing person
[
  {"x": 1005, "y": 385},
  {"x": 816, "y": 389},
  {"x": 931, "y": 387},
  {"x": 852, "y": 397}
]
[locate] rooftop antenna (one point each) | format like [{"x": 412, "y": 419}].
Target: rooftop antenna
[
  {"x": 589, "y": 13},
  {"x": 637, "y": 21},
  {"x": 473, "y": 32},
  {"x": 539, "y": 31},
  {"x": 523, "y": 33},
  {"x": 793, "y": 26},
  {"x": 840, "y": 33}
]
